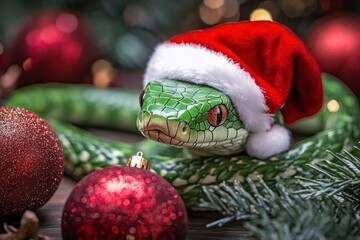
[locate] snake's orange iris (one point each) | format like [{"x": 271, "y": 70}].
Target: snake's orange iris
[{"x": 217, "y": 115}]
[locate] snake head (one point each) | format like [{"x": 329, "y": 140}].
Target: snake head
[{"x": 184, "y": 114}]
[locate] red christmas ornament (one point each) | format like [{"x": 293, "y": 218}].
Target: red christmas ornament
[
  {"x": 54, "y": 46},
  {"x": 335, "y": 42},
  {"x": 121, "y": 202},
  {"x": 31, "y": 161}
]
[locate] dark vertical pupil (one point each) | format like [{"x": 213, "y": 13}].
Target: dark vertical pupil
[{"x": 218, "y": 115}]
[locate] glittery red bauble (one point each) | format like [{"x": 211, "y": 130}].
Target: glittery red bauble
[
  {"x": 31, "y": 161},
  {"x": 54, "y": 46},
  {"x": 121, "y": 202},
  {"x": 335, "y": 42}
]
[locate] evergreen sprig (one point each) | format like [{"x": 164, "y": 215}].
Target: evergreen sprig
[
  {"x": 310, "y": 220},
  {"x": 340, "y": 181},
  {"x": 281, "y": 213}
]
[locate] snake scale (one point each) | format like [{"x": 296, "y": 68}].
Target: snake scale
[{"x": 336, "y": 126}]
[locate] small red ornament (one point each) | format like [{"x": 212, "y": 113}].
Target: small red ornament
[
  {"x": 122, "y": 202},
  {"x": 335, "y": 42},
  {"x": 54, "y": 46},
  {"x": 31, "y": 161}
]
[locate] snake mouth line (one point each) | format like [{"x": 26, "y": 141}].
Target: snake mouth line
[
  {"x": 162, "y": 137},
  {"x": 175, "y": 133}
]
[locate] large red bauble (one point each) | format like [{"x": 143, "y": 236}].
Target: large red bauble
[
  {"x": 31, "y": 161},
  {"x": 121, "y": 202},
  {"x": 335, "y": 42},
  {"x": 54, "y": 46}
]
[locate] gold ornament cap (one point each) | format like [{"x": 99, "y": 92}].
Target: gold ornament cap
[{"x": 138, "y": 161}]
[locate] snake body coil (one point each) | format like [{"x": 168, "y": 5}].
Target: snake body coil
[{"x": 337, "y": 125}]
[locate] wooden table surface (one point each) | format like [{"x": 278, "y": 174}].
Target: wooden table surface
[{"x": 50, "y": 213}]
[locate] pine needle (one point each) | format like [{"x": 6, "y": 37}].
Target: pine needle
[
  {"x": 325, "y": 208},
  {"x": 341, "y": 180},
  {"x": 280, "y": 213}
]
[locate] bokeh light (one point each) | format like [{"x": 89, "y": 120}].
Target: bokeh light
[
  {"x": 293, "y": 8},
  {"x": 208, "y": 15},
  {"x": 333, "y": 105},
  {"x": 231, "y": 10},
  {"x": 298, "y": 8},
  {"x": 214, "y": 4},
  {"x": 10, "y": 77},
  {"x": 134, "y": 15},
  {"x": 103, "y": 73},
  {"x": 27, "y": 64},
  {"x": 212, "y": 12},
  {"x": 66, "y": 22},
  {"x": 260, "y": 14},
  {"x": 72, "y": 51}
]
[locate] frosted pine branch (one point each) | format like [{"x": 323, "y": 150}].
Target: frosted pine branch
[
  {"x": 340, "y": 181},
  {"x": 281, "y": 213}
]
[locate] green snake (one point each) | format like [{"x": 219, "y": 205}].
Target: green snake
[{"x": 336, "y": 126}]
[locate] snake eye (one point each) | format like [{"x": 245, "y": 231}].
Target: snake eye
[
  {"x": 217, "y": 115},
  {"x": 141, "y": 97}
]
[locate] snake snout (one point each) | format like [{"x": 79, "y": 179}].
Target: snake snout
[
  {"x": 149, "y": 122},
  {"x": 162, "y": 129}
]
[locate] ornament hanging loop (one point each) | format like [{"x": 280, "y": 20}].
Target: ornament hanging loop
[{"x": 138, "y": 161}]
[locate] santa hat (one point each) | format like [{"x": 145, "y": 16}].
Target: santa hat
[{"x": 262, "y": 66}]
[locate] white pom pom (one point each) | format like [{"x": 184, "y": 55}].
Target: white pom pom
[{"x": 265, "y": 144}]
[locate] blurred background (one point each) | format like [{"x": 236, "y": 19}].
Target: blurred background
[{"x": 107, "y": 42}]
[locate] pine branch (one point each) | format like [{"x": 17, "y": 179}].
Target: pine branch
[
  {"x": 312, "y": 220},
  {"x": 280, "y": 213},
  {"x": 341, "y": 180}
]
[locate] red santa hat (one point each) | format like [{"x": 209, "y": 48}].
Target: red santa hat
[{"x": 262, "y": 66}]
